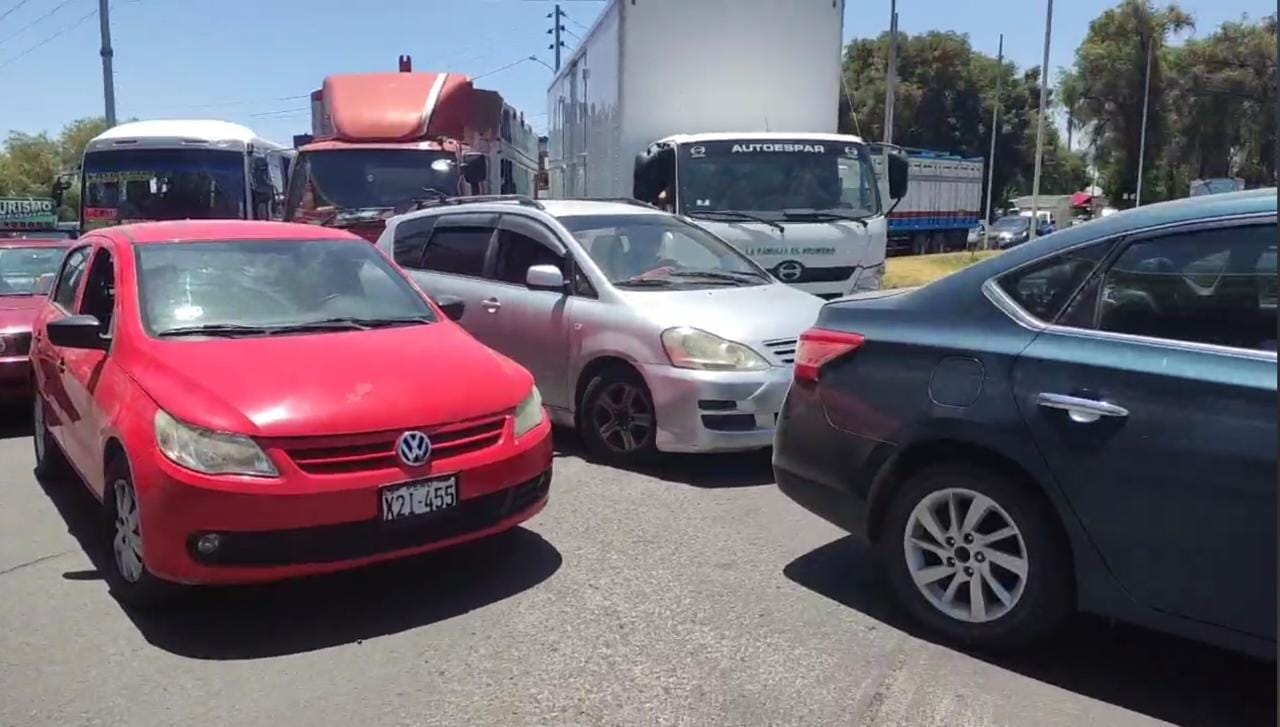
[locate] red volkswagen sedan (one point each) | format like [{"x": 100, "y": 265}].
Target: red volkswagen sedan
[
  {"x": 254, "y": 401},
  {"x": 27, "y": 267}
]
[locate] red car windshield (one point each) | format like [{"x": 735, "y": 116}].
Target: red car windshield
[
  {"x": 258, "y": 288},
  {"x": 28, "y": 270}
]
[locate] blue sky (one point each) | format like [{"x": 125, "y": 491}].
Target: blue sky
[{"x": 254, "y": 61}]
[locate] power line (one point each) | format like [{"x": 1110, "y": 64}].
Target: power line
[
  {"x": 239, "y": 102},
  {"x": 279, "y": 112},
  {"x": 24, "y": 28},
  {"x": 9, "y": 12},
  {"x": 512, "y": 64},
  {"x": 51, "y": 38}
]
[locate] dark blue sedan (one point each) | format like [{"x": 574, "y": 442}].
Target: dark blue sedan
[{"x": 1087, "y": 421}]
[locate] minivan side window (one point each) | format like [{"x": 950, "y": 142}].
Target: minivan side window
[
  {"x": 64, "y": 293},
  {"x": 517, "y": 253},
  {"x": 1215, "y": 286},
  {"x": 457, "y": 250},
  {"x": 1043, "y": 288}
]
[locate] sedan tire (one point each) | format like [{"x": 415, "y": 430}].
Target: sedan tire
[
  {"x": 977, "y": 558},
  {"x": 51, "y": 464},
  {"x": 126, "y": 571}
]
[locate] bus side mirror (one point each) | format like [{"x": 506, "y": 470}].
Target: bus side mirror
[
  {"x": 475, "y": 168},
  {"x": 654, "y": 172},
  {"x": 898, "y": 172},
  {"x": 61, "y": 184}
]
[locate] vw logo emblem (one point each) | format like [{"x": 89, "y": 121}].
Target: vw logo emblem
[
  {"x": 413, "y": 448},
  {"x": 789, "y": 271}
]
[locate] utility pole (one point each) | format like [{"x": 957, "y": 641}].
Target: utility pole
[
  {"x": 1142, "y": 145},
  {"x": 108, "y": 80},
  {"x": 1044, "y": 99},
  {"x": 556, "y": 27},
  {"x": 891, "y": 73},
  {"x": 991, "y": 159}
]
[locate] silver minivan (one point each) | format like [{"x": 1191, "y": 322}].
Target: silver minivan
[{"x": 642, "y": 330}]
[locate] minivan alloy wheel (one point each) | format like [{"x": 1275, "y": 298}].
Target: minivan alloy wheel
[
  {"x": 126, "y": 543},
  {"x": 966, "y": 555},
  {"x": 623, "y": 417}
]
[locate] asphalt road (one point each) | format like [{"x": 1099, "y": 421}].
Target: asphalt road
[{"x": 695, "y": 594}]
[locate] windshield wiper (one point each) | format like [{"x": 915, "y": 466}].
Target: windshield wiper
[
  {"x": 825, "y": 215},
  {"x": 216, "y": 329},
  {"x": 699, "y": 214},
  {"x": 640, "y": 280},
  {"x": 356, "y": 322},
  {"x": 718, "y": 275}
]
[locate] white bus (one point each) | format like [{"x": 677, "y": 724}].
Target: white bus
[{"x": 181, "y": 169}]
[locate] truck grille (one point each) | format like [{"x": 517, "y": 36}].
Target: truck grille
[
  {"x": 377, "y": 451},
  {"x": 783, "y": 350}
]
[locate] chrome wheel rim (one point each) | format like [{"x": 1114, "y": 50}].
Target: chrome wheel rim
[
  {"x": 966, "y": 555},
  {"x": 37, "y": 421},
  {"x": 127, "y": 543},
  {"x": 623, "y": 417}
]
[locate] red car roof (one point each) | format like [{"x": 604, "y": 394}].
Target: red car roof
[{"x": 222, "y": 230}]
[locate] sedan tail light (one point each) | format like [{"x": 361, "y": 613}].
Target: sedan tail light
[{"x": 819, "y": 347}]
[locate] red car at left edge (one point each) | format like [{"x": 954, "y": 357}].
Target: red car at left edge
[{"x": 27, "y": 268}]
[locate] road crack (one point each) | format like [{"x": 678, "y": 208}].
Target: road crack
[{"x": 34, "y": 561}]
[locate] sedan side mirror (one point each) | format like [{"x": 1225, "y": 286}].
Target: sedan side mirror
[
  {"x": 452, "y": 306},
  {"x": 78, "y": 332},
  {"x": 545, "y": 277}
]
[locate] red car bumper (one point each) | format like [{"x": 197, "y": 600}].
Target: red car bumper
[
  {"x": 304, "y": 523},
  {"x": 15, "y": 377}
]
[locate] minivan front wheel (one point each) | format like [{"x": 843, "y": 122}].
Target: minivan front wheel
[
  {"x": 616, "y": 418},
  {"x": 976, "y": 557}
]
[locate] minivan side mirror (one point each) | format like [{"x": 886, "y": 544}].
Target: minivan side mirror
[
  {"x": 452, "y": 306},
  {"x": 545, "y": 277},
  {"x": 475, "y": 168},
  {"x": 898, "y": 171},
  {"x": 78, "y": 332}
]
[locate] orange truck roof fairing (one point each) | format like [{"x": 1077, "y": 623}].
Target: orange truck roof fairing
[{"x": 397, "y": 107}]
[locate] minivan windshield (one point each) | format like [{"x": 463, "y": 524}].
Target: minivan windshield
[
  {"x": 28, "y": 270},
  {"x": 660, "y": 251},
  {"x": 266, "y": 287},
  {"x": 795, "y": 180},
  {"x": 134, "y": 185}
]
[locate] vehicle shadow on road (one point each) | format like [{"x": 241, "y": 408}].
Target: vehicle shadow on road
[
  {"x": 253, "y": 622},
  {"x": 1161, "y": 676},
  {"x": 737, "y": 469}
]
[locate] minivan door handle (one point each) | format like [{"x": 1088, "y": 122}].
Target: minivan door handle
[
  {"x": 491, "y": 304},
  {"x": 1081, "y": 410}
]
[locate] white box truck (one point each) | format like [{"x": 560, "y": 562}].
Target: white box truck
[
  {"x": 725, "y": 111},
  {"x": 942, "y": 205}
]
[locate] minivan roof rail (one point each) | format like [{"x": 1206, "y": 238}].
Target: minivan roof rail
[
  {"x": 520, "y": 199},
  {"x": 619, "y": 200}
]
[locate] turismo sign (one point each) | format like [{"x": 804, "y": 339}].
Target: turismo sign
[{"x": 27, "y": 213}]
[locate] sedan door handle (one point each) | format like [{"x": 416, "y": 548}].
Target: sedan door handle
[
  {"x": 491, "y": 304},
  {"x": 1081, "y": 410}
]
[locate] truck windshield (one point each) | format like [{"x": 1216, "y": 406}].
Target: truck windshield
[
  {"x": 332, "y": 180},
  {"x": 134, "y": 185},
  {"x": 777, "y": 179}
]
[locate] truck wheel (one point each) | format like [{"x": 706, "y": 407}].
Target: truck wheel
[{"x": 977, "y": 557}]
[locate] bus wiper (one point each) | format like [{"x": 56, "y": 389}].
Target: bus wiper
[
  {"x": 216, "y": 329},
  {"x": 825, "y": 215},
  {"x": 699, "y": 214}
]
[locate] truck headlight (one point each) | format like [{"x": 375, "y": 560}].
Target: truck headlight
[
  {"x": 529, "y": 413},
  {"x": 212, "y": 453},
  {"x": 691, "y": 348}
]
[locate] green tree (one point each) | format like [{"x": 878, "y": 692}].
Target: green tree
[
  {"x": 30, "y": 162},
  {"x": 945, "y": 97},
  {"x": 1105, "y": 90}
]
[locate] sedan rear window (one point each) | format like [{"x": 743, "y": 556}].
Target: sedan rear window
[{"x": 255, "y": 288}]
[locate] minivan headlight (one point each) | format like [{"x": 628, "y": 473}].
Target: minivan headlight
[
  {"x": 691, "y": 348},
  {"x": 529, "y": 413},
  {"x": 209, "y": 452}
]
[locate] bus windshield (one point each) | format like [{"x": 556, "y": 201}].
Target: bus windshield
[
  {"x": 135, "y": 185},
  {"x": 777, "y": 179},
  {"x": 330, "y": 181}
]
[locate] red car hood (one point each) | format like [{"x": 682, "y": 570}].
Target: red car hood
[
  {"x": 330, "y": 383},
  {"x": 17, "y": 311}
]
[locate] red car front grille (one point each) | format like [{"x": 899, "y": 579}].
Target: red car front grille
[{"x": 377, "y": 451}]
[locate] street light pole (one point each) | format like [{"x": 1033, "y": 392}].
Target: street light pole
[
  {"x": 991, "y": 159},
  {"x": 891, "y": 73},
  {"x": 1142, "y": 144},
  {"x": 108, "y": 80},
  {"x": 1044, "y": 98}
]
